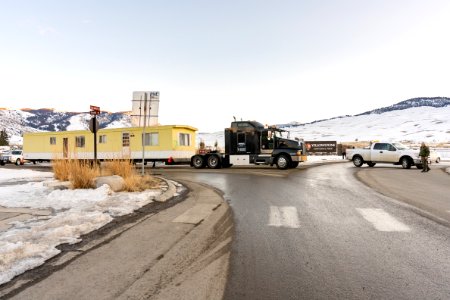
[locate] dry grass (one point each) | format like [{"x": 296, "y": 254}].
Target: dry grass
[
  {"x": 121, "y": 167},
  {"x": 61, "y": 169},
  {"x": 133, "y": 181},
  {"x": 81, "y": 174}
]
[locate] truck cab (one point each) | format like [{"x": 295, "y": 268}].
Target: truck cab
[{"x": 250, "y": 142}]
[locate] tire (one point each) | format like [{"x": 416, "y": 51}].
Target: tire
[
  {"x": 198, "y": 162},
  {"x": 371, "y": 164},
  {"x": 2, "y": 163},
  {"x": 213, "y": 162},
  {"x": 420, "y": 167},
  {"x": 294, "y": 164},
  {"x": 438, "y": 160},
  {"x": 406, "y": 163},
  {"x": 18, "y": 163},
  {"x": 358, "y": 161},
  {"x": 283, "y": 162}
]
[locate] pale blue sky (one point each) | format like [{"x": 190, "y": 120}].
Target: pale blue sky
[{"x": 271, "y": 61}]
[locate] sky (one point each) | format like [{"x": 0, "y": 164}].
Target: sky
[{"x": 270, "y": 61}]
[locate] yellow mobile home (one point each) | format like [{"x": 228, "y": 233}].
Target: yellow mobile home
[{"x": 169, "y": 143}]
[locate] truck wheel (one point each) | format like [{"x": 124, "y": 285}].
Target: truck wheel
[
  {"x": 420, "y": 167},
  {"x": 213, "y": 162},
  {"x": 2, "y": 163},
  {"x": 358, "y": 161},
  {"x": 371, "y": 164},
  {"x": 438, "y": 160},
  {"x": 406, "y": 163},
  {"x": 18, "y": 162},
  {"x": 283, "y": 162},
  {"x": 294, "y": 164},
  {"x": 198, "y": 162}
]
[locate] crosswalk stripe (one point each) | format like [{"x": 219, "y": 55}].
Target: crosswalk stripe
[
  {"x": 284, "y": 216},
  {"x": 381, "y": 220}
]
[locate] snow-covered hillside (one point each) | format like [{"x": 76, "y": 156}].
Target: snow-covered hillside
[
  {"x": 16, "y": 122},
  {"x": 414, "y": 124},
  {"x": 415, "y": 120}
]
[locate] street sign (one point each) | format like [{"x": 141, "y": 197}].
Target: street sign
[
  {"x": 95, "y": 110},
  {"x": 91, "y": 125}
]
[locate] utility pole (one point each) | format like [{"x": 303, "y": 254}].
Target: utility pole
[{"x": 143, "y": 134}]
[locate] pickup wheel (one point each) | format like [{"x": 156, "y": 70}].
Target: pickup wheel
[
  {"x": 371, "y": 164},
  {"x": 198, "y": 162},
  {"x": 213, "y": 162},
  {"x": 18, "y": 162},
  {"x": 358, "y": 161},
  {"x": 283, "y": 162},
  {"x": 406, "y": 163}
]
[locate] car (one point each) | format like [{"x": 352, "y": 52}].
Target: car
[
  {"x": 13, "y": 156},
  {"x": 4, "y": 157},
  {"x": 434, "y": 157},
  {"x": 16, "y": 157}
]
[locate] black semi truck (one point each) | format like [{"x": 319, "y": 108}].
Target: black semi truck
[{"x": 251, "y": 143}]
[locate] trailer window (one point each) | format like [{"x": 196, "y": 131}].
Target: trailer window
[
  {"x": 53, "y": 140},
  {"x": 102, "y": 139},
  {"x": 151, "y": 139},
  {"x": 185, "y": 139},
  {"x": 79, "y": 141},
  {"x": 125, "y": 139}
]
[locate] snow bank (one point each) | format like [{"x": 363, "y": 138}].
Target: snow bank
[{"x": 75, "y": 212}]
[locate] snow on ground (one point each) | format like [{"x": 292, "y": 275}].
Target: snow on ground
[{"x": 30, "y": 243}]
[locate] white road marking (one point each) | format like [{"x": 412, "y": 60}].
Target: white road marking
[
  {"x": 381, "y": 220},
  {"x": 284, "y": 216}
]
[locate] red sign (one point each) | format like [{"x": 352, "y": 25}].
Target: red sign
[{"x": 95, "y": 110}]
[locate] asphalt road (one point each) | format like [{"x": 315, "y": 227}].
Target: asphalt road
[{"x": 320, "y": 233}]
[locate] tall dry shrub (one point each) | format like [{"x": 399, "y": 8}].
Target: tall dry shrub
[
  {"x": 82, "y": 174},
  {"x": 61, "y": 169},
  {"x": 121, "y": 167}
]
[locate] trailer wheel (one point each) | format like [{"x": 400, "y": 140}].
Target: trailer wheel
[
  {"x": 213, "y": 162},
  {"x": 283, "y": 162},
  {"x": 198, "y": 162},
  {"x": 294, "y": 164}
]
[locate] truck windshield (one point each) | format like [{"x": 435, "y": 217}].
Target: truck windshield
[
  {"x": 400, "y": 146},
  {"x": 281, "y": 134}
]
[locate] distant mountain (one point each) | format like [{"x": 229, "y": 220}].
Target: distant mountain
[
  {"x": 16, "y": 122},
  {"x": 415, "y": 102}
]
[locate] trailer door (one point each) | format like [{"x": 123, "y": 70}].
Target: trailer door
[
  {"x": 65, "y": 147},
  {"x": 126, "y": 145}
]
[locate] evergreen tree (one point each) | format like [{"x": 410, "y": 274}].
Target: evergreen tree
[{"x": 4, "y": 140}]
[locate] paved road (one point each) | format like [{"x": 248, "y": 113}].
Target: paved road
[{"x": 319, "y": 233}]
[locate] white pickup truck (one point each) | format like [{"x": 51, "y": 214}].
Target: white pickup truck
[{"x": 394, "y": 153}]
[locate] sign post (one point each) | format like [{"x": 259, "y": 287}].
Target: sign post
[{"x": 93, "y": 126}]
